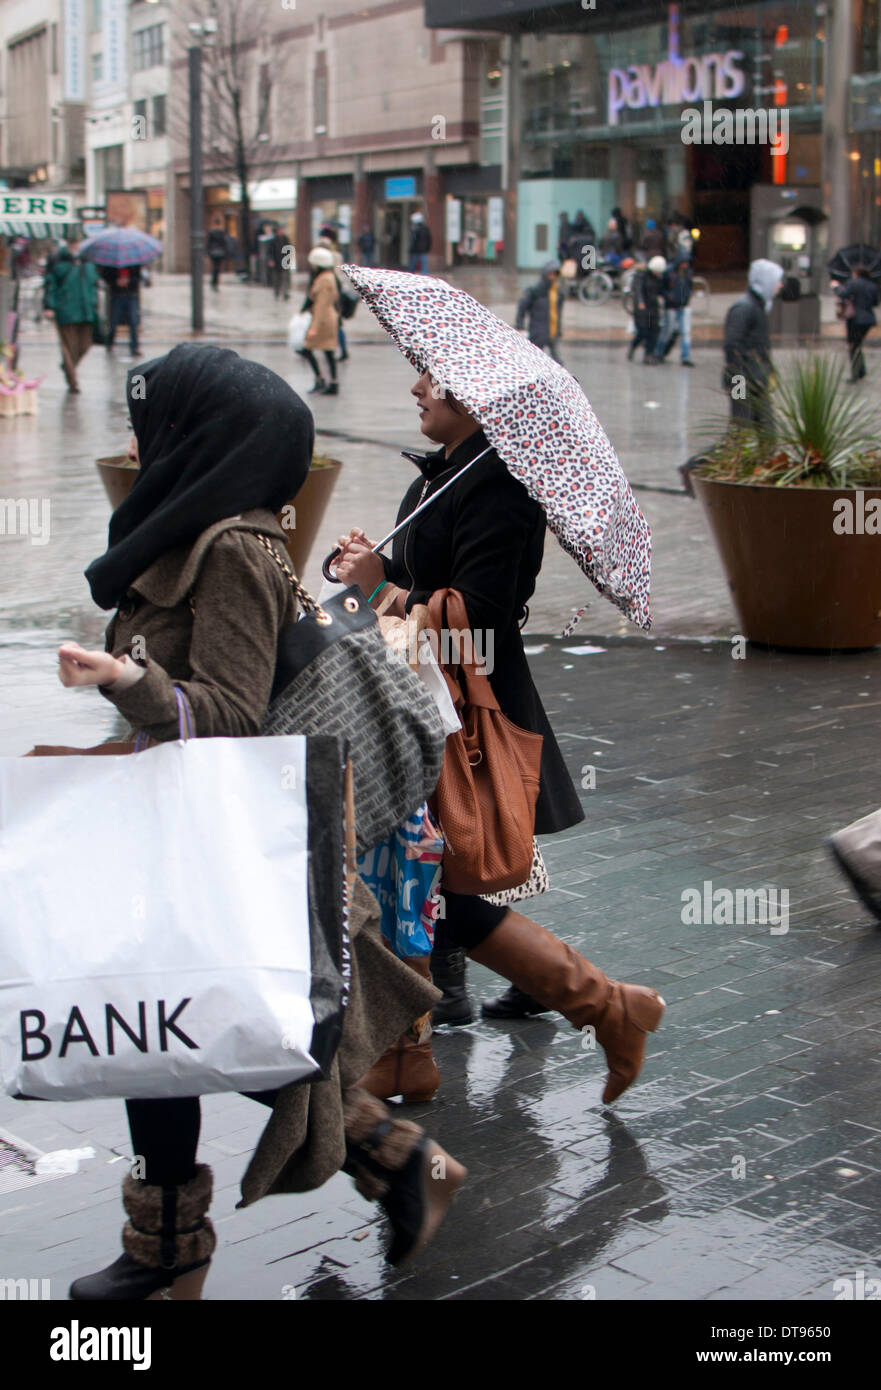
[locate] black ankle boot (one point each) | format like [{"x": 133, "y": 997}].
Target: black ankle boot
[
  {"x": 513, "y": 1004},
  {"x": 393, "y": 1163},
  {"x": 168, "y": 1242},
  {"x": 448, "y": 974}
]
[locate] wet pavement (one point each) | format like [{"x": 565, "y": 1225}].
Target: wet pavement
[{"x": 746, "y": 1164}]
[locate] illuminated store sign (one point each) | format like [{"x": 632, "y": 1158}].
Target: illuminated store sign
[{"x": 675, "y": 81}]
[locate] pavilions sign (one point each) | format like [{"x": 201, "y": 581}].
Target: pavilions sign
[{"x": 674, "y": 82}]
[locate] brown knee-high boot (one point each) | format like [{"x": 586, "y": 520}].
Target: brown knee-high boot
[
  {"x": 549, "y": 970},
  {"x": 407, "y": 1068}
]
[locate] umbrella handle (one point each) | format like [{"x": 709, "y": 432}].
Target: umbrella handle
[{"x": 326, "y": 570}]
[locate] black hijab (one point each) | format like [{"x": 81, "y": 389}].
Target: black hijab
[{"x": 217, "y": 435}]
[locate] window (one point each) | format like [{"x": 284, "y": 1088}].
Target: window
[
  {"x": 139, "y": 124},
  {"x": 97, "y": 15},
  {"x": 148, "y": 47},
  {"x": 319, "y": 93},
  {"x": 97, "y": 67},
  {"x": 159, "y": 122}
]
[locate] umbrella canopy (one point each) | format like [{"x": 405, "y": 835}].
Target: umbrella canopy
[
  {"x": 841, "y": 266},
  {"x": 534, "y": 414},
  {"x": 121, "y": 247}
]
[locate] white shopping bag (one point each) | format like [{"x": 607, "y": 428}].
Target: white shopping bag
[
  {"x": 159, "y": 935},
  {"x": 297, "y": 329}
]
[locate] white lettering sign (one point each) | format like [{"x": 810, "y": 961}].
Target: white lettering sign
[
  {"x": 674, "y": 81},
  {"x": 74, "y": 51}
]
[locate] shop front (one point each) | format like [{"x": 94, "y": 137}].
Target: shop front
[{"x": 674, "y": 108}]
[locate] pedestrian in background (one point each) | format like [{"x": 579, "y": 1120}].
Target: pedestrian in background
[
  {"x": 646, "y": 290},
  {"x": 280, "y": 278},
  {"x": 856, "y": 305},
  {"x": 564, "y": 232},
  {"x": 322, "y": 300},
  {"x": 420, "y": 244},
  {"x": 676, "y": 293},
  {"x": 329, "y": 239},
  {"x": 367, "y": 246},
  {"x": 542, "y": 305},
  {"x": 623, "y": 231},
  {"x": 217, "y": 247},
  {"x": 124, "y": 284},
  {"x": 653, "y": 243},
  {"x": 748, "y": 368},
  {"x": 70, "y": 296}
]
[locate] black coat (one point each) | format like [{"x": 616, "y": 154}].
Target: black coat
[
  {"x": 646, "y": 289},
  {"x": 864, "y": 295},
  {"x": 485, "y": 537},
  {"x": 747, "y": 341},
  {"x": 535, "y": 304}
]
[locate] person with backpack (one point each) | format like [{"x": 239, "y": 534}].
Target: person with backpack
[
  {"x": 420, "y": 244},
  {"x": 198, "y": 606},
  {"x": 70, "y": 296}
]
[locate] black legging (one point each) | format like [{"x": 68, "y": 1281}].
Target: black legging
[
  {"x": 313, "y": 362},
  {"x": 165, "y": 1135},
  {"x": 467, "y": 921},
  {"x": 855, "y": 335}
]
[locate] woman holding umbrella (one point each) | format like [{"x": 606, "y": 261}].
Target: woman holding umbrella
[{"x": 485, "y": 538}]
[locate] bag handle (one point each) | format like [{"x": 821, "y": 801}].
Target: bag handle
[
  {"x": 447, "y": 611},
  {"x": 310, "y": 605},
  {"x": 186, "y": 729}
]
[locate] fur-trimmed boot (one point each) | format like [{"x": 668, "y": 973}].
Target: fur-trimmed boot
[
  {"x": 168, "y": 1242},
  {"x": 407, "y": 1068},
  {"x": 393, "y": 1163}
]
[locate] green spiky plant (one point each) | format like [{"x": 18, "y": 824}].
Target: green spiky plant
[{"x": 820, "y": 434}]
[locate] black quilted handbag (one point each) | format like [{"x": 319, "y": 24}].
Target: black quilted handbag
[{"x": 335, "y": 674}]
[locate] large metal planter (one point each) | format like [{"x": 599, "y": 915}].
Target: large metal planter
[
  {"x": 794, "y": 581},
  {"x": 307, "y": 511}
]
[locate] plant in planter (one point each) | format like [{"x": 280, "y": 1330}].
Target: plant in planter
[
  {"x": 300, "y": 518},
  {"x": 795, "y": 511}
]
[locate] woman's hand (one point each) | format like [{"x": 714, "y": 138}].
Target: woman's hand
[
  {"x": 356, "y": 563},
  {"x": 76, "y": 666}
]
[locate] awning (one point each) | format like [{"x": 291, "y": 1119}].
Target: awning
[{"x": 13, "y": 226}]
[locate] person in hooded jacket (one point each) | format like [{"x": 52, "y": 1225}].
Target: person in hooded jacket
[
  {"x": 322, "y": 299},
  {"x": 70, "y": 296},
  {"x": 861, "y": 294},
  {"x": 542, "y": 305},
  {"x": 222, "y": 444},
  {"x": 485, "y": 537},
  {"x": 747, "y": 345}
]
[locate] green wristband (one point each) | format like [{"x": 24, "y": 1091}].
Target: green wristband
[{"x": 377, "y": 590}]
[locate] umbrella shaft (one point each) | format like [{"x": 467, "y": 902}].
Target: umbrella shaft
[{"x": 427, "y": 503}]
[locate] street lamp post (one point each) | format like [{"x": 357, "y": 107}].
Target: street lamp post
[{"x": 197, "y": 208}]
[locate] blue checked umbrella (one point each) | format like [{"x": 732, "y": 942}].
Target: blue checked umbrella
[{"x": 121, "y": 247}]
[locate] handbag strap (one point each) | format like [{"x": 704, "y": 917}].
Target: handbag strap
[
  {"x": 310, "y": 605},
  {"x": 447, "y": 612}
]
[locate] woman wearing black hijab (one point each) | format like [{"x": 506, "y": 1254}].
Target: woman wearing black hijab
[{"x": 222, "y": 444}]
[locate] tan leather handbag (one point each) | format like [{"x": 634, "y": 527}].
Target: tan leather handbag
[{"x": 485, "y": 798}]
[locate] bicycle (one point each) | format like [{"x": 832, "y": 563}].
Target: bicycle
[{"x": 603, "y": 283}]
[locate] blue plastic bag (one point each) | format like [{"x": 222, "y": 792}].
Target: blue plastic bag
[{"x": 403, "y": 873}]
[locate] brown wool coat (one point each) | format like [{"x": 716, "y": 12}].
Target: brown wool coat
[
  {"x": 221, "y": 653},
  {"x": 324, "y": 328}
]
